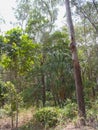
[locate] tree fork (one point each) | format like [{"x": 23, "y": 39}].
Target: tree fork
[{"x": 77, "y": 71}]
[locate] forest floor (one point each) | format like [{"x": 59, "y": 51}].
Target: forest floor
[{"x": 26, "y": 116}]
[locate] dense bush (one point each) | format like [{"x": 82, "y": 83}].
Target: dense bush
[
  {"x": 5, "y": 111},
  {"x": 2, "y": 113},
  {"x": 92, "y": 114},
  {"x": 48, "y": 116},
  {"x": 70, "y": 110}
]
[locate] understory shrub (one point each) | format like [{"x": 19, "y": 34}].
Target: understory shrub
[
  {"x": 5, "y": 111},
  {"x": 2, "y": 113},
  {"x": 51, "y": 116},
  {"x": 92, "y": 114},
  {"x": 48, "y": 116},
  {"x": 70, "y": 110}
]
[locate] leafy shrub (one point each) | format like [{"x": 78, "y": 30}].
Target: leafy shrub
[
  {"x": 70, "y": 110},
  {"x": 48, "y": 116},
  {"x": 2, "y": 113},
  {"x": 6, "y": 111},
  {"x": 92, "y": 113}
]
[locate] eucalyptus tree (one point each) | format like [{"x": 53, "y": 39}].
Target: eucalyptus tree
[
  {"x": 42, "y": 19},
  {"x": 22, "y": 12},
  {"x": 89, "y": 60},
  {"x": 87, "y": 50},
  {"x": 88, "y": 10},
  {"x": 40, "y": 24},
  {"x": 76, "y": 65},
  {"x": 38, "y": 15},
  {"x": 42, "y": 15}
]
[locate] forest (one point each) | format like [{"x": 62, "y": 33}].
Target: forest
[{"x": 49, "y": 70}]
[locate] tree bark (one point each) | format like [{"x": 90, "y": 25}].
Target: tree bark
[
  {"x": 43, "y": 84},
  {"x": 43, "y": 91},
  {"x": 77, "y": 71}
]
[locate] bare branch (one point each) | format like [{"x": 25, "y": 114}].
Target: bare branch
[{"x": 95, "y": 6}]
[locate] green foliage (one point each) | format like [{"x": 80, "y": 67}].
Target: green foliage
[
  {"x": 33, "y": 92},
  {"x": 13, "y": 97},
  {"x": 48, "y": 116},
  {"x": 13, "y": 35},
  {"x": 3, "y": 112},
  {"x": 3, "y": 92},
  {"x": 70, "y": 110},
  {"x": 92, "y": 112}
]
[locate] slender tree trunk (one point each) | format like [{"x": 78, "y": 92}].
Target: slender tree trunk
[
  {"x": 43, "y": 83},
  {"x": 17, "y": 113},
  {"x": 12, "y": 115},
  {"x": 77, "y": 71},
  {"x": 43, "y": 90}
]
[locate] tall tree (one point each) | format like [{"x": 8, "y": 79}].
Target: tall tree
[
  {"x": 77, "y": 71},
  {"x": 22, "y": 12},
  {"x": 37, "y": 16},
  {"x": 89, "y": 10}
]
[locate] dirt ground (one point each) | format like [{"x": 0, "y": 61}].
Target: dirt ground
[
  {"x": 25, "y": 117},
  {"x": 5, "y": 124}
]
